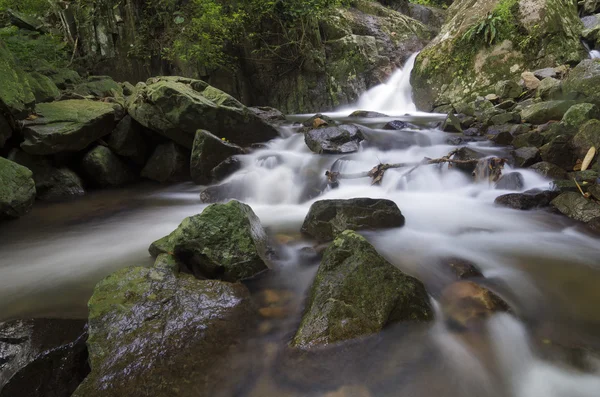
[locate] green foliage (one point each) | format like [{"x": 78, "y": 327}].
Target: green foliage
[
  {"x": 487, "y": 29},
  {"x": 498, "y": 25},
  {"x": 34, "y": 7},
  {"x": 432, "y": 3},
  {"x": 31, "y": 48}
]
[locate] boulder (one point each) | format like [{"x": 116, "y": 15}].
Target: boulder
[
  {"x": 504, "y": 118},
  {"x": 5, "y": 130},
  {"x": 588, "y": 136},
  {"x": 508, "y": 89},
  {"x": 399, "y": 125},
  {"x": 559, "y": 151},
  {"x": 464, "y": 154},
  {"x": 366, "y": 114},
  {"x": 334, "y": 140},
  {"x": 319, "y": 120},
  {"x": 15, "y": 93},
  {"x": 225, "y": 168},
  {"x": 67, "y": 126},
  {"x": 128, "y": 88},
  {"x": 575, "y": 206},
  {"x": 564, "y": 185},
  {"x": 17, "y": 189},
  {"x": 543, "y": 112},
  {"x": 99, "y": 87},
  {"x": 510, "y": 181},
  {"x": 43, "y": 88},
  {"x": 128, "y": 140},
  {"x": 461, "y": 268},
  {"x": 168, "y": 163},
  {"x": 177, "y": 107},
  {"x": 526, "y": 200},
  {"x": 207, "y": 153},
  {"x": 530, "y": 81},
  {"x": 225, "y": 241},
  {"x": 356, "y": 292},
  {"x": 63, "y": 77},
  {"x": 579, "y": 114},
  {"x": 528, "y": 139},
  {"x": 545, "y": 73},
  {"x": 501, "y": 135},
  {"x": 527, "y": 156},
  {"x": 268, "y": 113},
  {"x": 103, "y": 168},
  {"x": 42, "y": 357},
  {"x": 155, "y": 332},
  {"x": 549, "y": 88},
  {"x": 328, "y": 218},
  {"x": 582, "y": 81}
]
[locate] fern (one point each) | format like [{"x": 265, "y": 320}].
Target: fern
[{"x": 487, "y": 29}]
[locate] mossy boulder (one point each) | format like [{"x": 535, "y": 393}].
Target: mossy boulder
[
  {"x": 549, "y": 170},
  {"x": 128, "y": 140},
  {"x": 559, "y": 151},
  {"x": 528, "y": 139},
  {"x": 152, "y": 331},
  {"x": 168, "y": 163},
  {"x": 99, "y": 87},
  {"x": 43, "y": 88},
  {"x": 583, "y": 80},
  {"x": 356, "y": 292},
  {"x": 63, "y": 77},
  {"x": 5, "y": 130},
  {"x": 574, "y": 205},
  {"x": 542, "y": 112},
  {"x": 526, "y": 156},
  {"x": 328, "y": 218},
  {"x": 16, "y": 96},
  {"x": 177, "y": 107},
  {"x": 579, "y": 114},
  {"x": 508, "y": 89},
  {"x": 334, "y": 140},
  {"x": 17, "y": 189},
  {"x": 207, "y": 153},
  {"x": 225, "y": 241},
  {"x": 550, "y": 88},
  {"x": 67, "y": 126},
  {"x": 588, "y": 136},
  {"x": 103, "y": 168}
]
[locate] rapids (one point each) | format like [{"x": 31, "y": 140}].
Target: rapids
[{"x": 545, "y": 266}]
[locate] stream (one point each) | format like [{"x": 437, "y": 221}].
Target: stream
[{"x": 545, "y": 266}]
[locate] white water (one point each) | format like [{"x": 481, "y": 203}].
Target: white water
[
  {"x": 594, "y": 54},
  {"x": 549, "y": 270}
]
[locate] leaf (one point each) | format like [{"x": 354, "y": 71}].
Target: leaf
[
  {"x": 179, "y": 20},
  {"x": 588, "y": 158}
]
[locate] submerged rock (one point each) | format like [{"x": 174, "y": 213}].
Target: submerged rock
[
  {"x": 17, "y": 189},
  {"x": 225, "y": 241},
  {"x": 461, "y": 268},
  {"x": 527, "y": 200},
  {"x": 334, "y": 140},
  {"x": 575, "y": 206},
  {"x": 465, "y": 153},
  {"x": 168, "y": 163},
  {"x": 67, "y": 126},
  {"x": 153, "y": 332},
  {"x": 399, "y": 125},
  {"x": 207, "y": 153},
  {"x": 42, "y": 357},
  {"x": 328, "y": 218},
  {"x": 177, "y": 107},
  {"x": 366, "y": 114},
  {"x": 105, "y": 169},
  {"x": 225, "y": 168},
  {"x": 356, "y": 292}
]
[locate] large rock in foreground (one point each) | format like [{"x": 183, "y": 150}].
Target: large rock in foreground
[
  {"x": 334, "y": 140},
  {"x": 153, "y": 332},
  {"x": 328, "y": 218},
  {"x": 208, "y": 152},
  {"x": 356, "y": 292},
  {"x": 225, "y": 241},
  {"x": 17, "y": 189},
  {"x": 42, "y": 357},
  {"x": 67, "y": 126},
  {"x": 177, "y": 107},
  {"x": 575, "y": 206}
]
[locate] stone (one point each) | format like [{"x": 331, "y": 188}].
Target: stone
[
  {"x": 579, "y": 114},
  {"x": 365, "y": 114},
  {"x": 508, "y": 89},
  {"x": 564, "y": 185},
  {"x": 545, "y": 73},
  {"x": 528, "y": 139},
  {"x": 208, "y": 152},
  {"x": 328, "y": 218},
  {"x": 168, "y": 163},
  {"x": 577, "y": 207},
  {"x": 70, "y": 125},
  {"x": 549, "y": 88},
  {"x": 504, "y": 118},
  {"x": 103, "y": 168},
  {"x": 225, "y": 241},
  {"x": 64, "y": 77},
  {"x": 582, "y": 81},
  {"x": 15, "y": 93},
  {"x": 549, "y": 170},
  {"x": 268, "y": 113},
  {"x": 334, "y": 140},
  {"x": 5, "y": 130},
  {"x": 42, "y": 87},
  {"x": 17, "y": 189},
  {"x": 225, "y": 168},
  {"x": 466, "y": 305},
  {"x": 510, "y": 181},
  {"x": 99, "y": 87},
  {"x": 527, "y": 156},
  {"x": 128, "y": 140},
  {"x": 42, "y": 357},
  {"x": 399, "y": 125},
  {"x": 543, "y": 112},
  {"x": 588, "y": 136},
  {"x": 559, "y": 151},
  {"x": 177, "y": 107},
  {"x": 310, "y": 123},
  {"x": 527, "y": 200},
  {"x": 466, "y": 153},
  {"x": 153, "y": 331},
  {"x": 128, "y": 88},
  {"x": 356, "y": 292},
  {"x": 530, "y": 81},
  {"x": 461, "y": 268},
  {"x": 26, "y": 21},
  {"x": 501, "y": 138}
]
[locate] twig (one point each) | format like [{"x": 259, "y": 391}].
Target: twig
[{"x": 74, "y": 50}]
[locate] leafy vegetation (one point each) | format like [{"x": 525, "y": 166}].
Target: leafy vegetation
[
  {"x": 32, "y": 7},
  {"x": 31, "y": 49},
  {"x": 496, "y": 26},
  {"x": 433, "y": 3}
]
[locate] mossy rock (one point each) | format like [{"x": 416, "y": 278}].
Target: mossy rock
[
  {"x": 152, "y": 331},
  {"x": 99, "y": 87},
  {"x": 15, "y": 93},
  {"x": 17, "y": 189},
  {"x": 588, "y": 136},
  {"x": 43, "y": 87},
  {"x": 549, "y": 88},
  {"x": 168, "y": 163},
  {"x": 583, "y": 80},
  {"x": 5, "y": 130},
  {"x": 559, "y": 151},
  {"x": 334, "y": 140},
  {"x": 528, "y": 139},
  {"x": 542, "y": 112},
  {"x": 63, "y": 77},
  {"x": 128, "y": 140},
  {"x": 579, "y": 114},
  {"x": 356, "y": 292},
  {"x": 67, "y": 126},
  {"x": 225, "y": 241},
  {"x": 103, "y": 168},
  {"x": 207, "y": 153},
  {"x": 575, "y": 206},
  {"x": 549, "y": 170}
]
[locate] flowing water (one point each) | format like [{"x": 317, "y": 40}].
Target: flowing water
[{"x": 546, "y": 267}]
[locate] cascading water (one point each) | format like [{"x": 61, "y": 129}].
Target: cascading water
[{"x": 547, "y": 267}]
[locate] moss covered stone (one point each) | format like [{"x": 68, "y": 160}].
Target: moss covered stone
[
  {"x": 588, "y": 136},
  {"x": 128, "y": 140},
  {"x": 43, "y": 87},
  {"x": 168, "y": 163},
  {"x": 583, "y": 80},
  {"x": 17, "y": 189},
  {"x": 100, "y": 87},
  {"x": 225, "y": 241},
  {"x": 574, "y": 205},
  {"x": 103, "y": 168},
  {"x": 5, "y": 130},
  {"x": 543, "y": 112},
  {"x": 154, "y": 332},
  {"x": 207, "y": 153},
  {"x": 549, "y": 170},
  {"x": 579, "y": 114},
  {"x": 356, "y": 292},
  {"x": 15, "y": 93},
  {"x": 67, "y": 126}
]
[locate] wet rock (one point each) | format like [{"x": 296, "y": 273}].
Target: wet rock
[
  {"x": 128, "y": 140},
  {"x": 588, "y": 136},
  {"x": 577, "y": 207},
  {"x": 589, "y": 176},
  {"x": 225, "y": 168},
  {"x": 310, "y": 123},
  {"x": 356, "y": 293},
  {"x": 564, "y": 185},
  {"x": 105, "y": 169},
  {"x": 42, "y": 87},
  {"x": 474, "y": 131},
  {"x": 350, "y": 391},
  {"x": 510, "y": 181},
  {"x": 455, "y": 140},
  {"x": 400, "y": 125},
  {"x": 99, "y": 87},
  {"x": 579, "y": 114},
  {"x": 334, "y": 140},
  {"x": 155, "y": 332},
  {"x": 17, "y": 189},
  {"x": 530, "y": 81},
  {"x": 223, "y": 192},
  {"x": 583, "y": 80},
  {"x": 508, "y": 89},
  {"x": 549, "y": 170},
  {"x": 527, "y": 200},
  {"x": 207, "y": 153},
  {"x": 225, "y": 241},
  {"x": 528, "y": 139},
  {"x": 366, "y": 114},
  {"x": 328, "y": 218},
  {"x": 466, "y": 305},
  {"x": 461, "y": 268},
  {"x": 42, "y": 357},
  {"x": 466, "y": 153},
  {"x": 549, "y": 89},
  {"x": 527, "y": 156},
  {"x": 67, "y": 126},
  {"x": 268, "y": 113},
  {"x": 169, "y": 163},
  {"x": 543, "y": 112},
  {"x": 177, "y": 107},
  {"x": 560, "y": 152}
]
